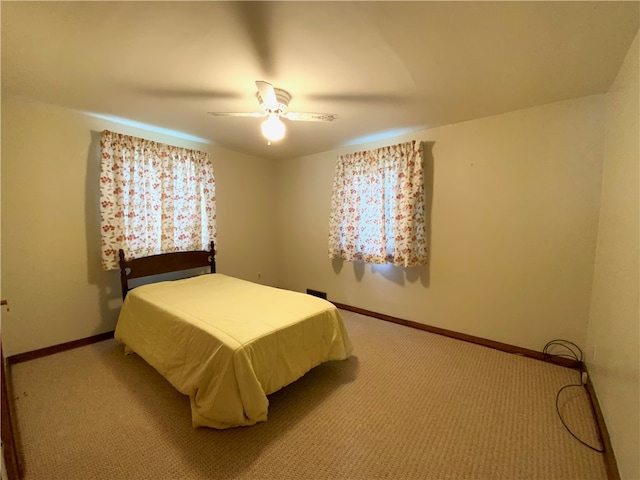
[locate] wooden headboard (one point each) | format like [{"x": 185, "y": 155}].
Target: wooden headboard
[{"x": 163, "y": 263}]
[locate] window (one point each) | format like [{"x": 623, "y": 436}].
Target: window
[
  {"x": 378, "y": 208},
  {"x": 154, "y": 198}
]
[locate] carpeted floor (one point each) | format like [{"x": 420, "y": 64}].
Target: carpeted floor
[{"x": 407, "y": 405}]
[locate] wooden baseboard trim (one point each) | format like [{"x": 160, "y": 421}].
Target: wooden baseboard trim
[
  {"x": 610, "y": 462},
  {"x": 505, "y": 347},
  {"x": 43, "y": 352}
]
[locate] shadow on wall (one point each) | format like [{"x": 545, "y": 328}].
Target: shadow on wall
[
  {"x": 108, "y": 282},
  {"x": 402, "y": 275}
]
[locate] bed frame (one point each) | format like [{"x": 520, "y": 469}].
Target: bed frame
[{"x": 163, "y": 263}]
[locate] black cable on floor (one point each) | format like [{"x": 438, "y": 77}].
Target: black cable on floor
[{"x": 572, "y": 351}]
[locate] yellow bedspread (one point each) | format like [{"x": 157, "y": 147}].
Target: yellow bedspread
[{"x": 228, "y": 343}]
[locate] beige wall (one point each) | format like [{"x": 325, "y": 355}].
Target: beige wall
[
  {"x": 514, "y": 212},
  {"x": 613, "y": 342},
  {"x": 51, "y": 272}
]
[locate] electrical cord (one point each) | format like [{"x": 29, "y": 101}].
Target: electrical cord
[{"x": 573, "y": 352}]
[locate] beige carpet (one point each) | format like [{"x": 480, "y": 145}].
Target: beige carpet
[{"x": 407, "y": 405}]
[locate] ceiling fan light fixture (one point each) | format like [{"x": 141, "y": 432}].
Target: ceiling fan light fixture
[
  {"x": 274, "y": 104},
  {"x": 273, "y": 129}
]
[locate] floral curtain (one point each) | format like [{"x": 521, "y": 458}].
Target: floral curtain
[
  {"x": 154, "y": 198},
  {"x": 378, "y": 207}
]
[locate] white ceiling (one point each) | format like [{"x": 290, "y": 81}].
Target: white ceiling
[{"x": 380, "y": 66}]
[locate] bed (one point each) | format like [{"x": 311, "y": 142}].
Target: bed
[{"x": 225, "y": 342}]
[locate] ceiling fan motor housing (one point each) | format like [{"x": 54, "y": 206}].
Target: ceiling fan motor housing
[{"x": 282, "y": 96}]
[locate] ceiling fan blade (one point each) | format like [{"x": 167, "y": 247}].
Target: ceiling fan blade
[
  {"x": 257, "y": 19},
  {"x": 238, "y": 114},
  {"x": 267, "y": 93},
  {"x": 310, "y": 117},
  {"x": 187, "y": 92},
  {"x": 384, "y": 99}
]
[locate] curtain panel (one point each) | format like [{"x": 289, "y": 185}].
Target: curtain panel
[
  {"x": 154, "y": 198},
  {"x": 378, "y": 206}
]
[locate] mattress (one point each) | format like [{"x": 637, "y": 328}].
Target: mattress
[{"x": 228, "y": 343}]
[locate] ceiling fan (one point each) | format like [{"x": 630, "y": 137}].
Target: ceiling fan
[{"x": 274, "y": 104}]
